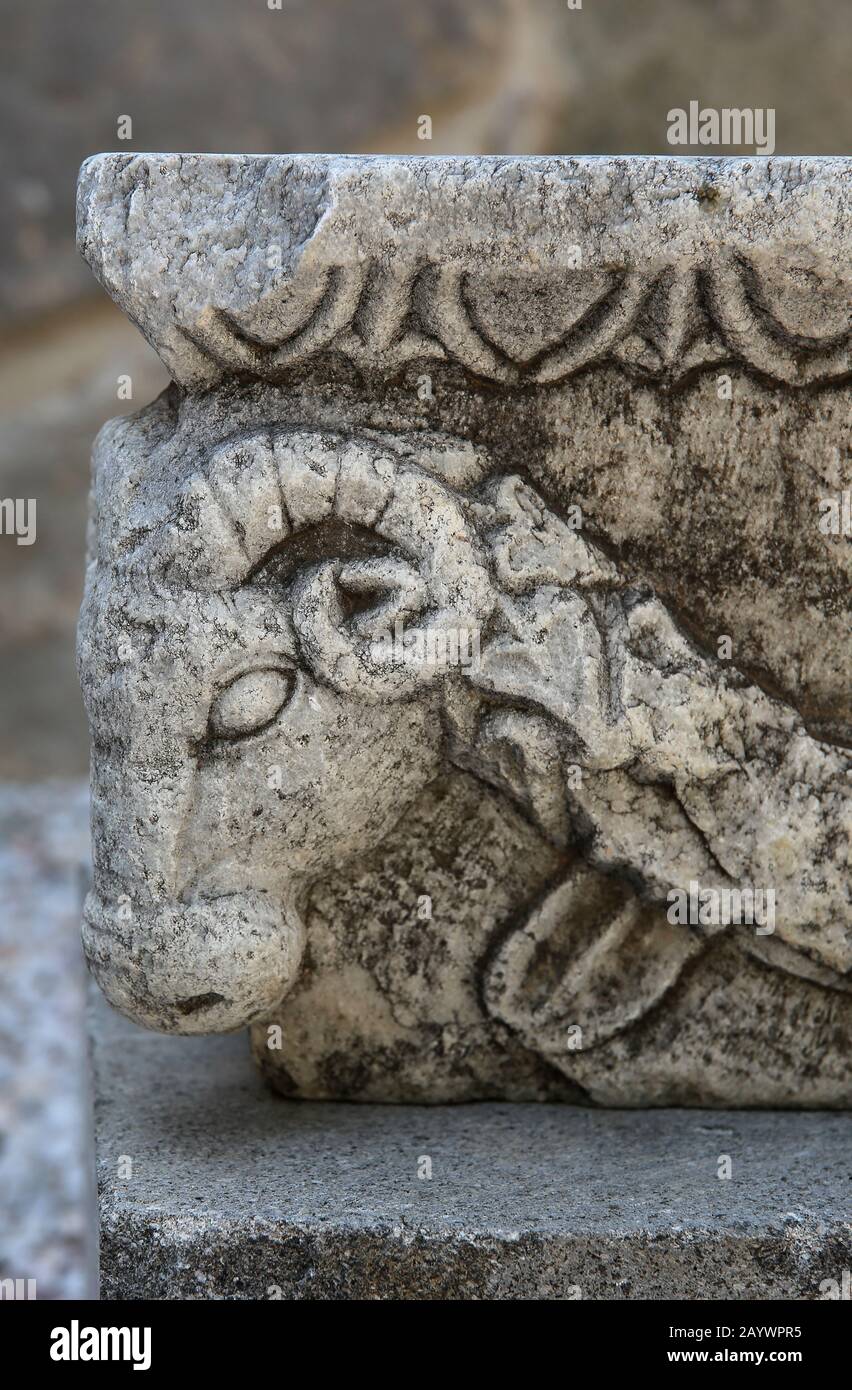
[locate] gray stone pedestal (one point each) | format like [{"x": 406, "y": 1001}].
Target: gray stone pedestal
[{"x": 211, "y": 1187}]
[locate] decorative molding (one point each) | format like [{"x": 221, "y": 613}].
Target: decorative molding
[
  {"x": 523, "y": 272},
  {"x": 662, "y": 327}
]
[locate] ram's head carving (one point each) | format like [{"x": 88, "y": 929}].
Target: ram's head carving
[{"x": 260, "y": 716}]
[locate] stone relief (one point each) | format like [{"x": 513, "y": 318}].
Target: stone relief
[
  {"x": 523, "y": 330},
  {"x": 518, "y": 270},
  {"x": 414, "y": 746},
  {"x": 276, "y": 593}
]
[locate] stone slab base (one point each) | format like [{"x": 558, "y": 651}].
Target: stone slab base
[{"x": 211, "y": 1187}]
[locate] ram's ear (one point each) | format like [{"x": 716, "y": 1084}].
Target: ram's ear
[
  {"x": 517, "y": 752},
  {"x": 545, "y": 650},
  {"x": 588, "y": 962}
]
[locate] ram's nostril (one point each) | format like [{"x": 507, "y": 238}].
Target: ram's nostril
[
  {"x": 203, "y": 967},
  {"x": 198, "y": 1003}
]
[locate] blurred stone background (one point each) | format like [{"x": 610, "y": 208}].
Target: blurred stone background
[{"x": 495, "y": 76}]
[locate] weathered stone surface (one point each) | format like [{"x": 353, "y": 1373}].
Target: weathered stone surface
[
  {"x": 523, "y": 271},
  {"x": 465, "y": 604},
  {"x": 212, "y": 1188}
]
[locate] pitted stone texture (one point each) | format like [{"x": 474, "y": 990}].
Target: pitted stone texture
[
  {"x": 253, "y": 730},
  {"x": 236, "y": 1194},
  {"x": 521, "y": 270},
  {"x": 439, "y": 869}
]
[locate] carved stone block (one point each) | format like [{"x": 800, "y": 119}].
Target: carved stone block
[{"x": 466, "y": 631}]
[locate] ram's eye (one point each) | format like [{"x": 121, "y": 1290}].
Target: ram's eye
[{"x": 250, "y": 702}]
